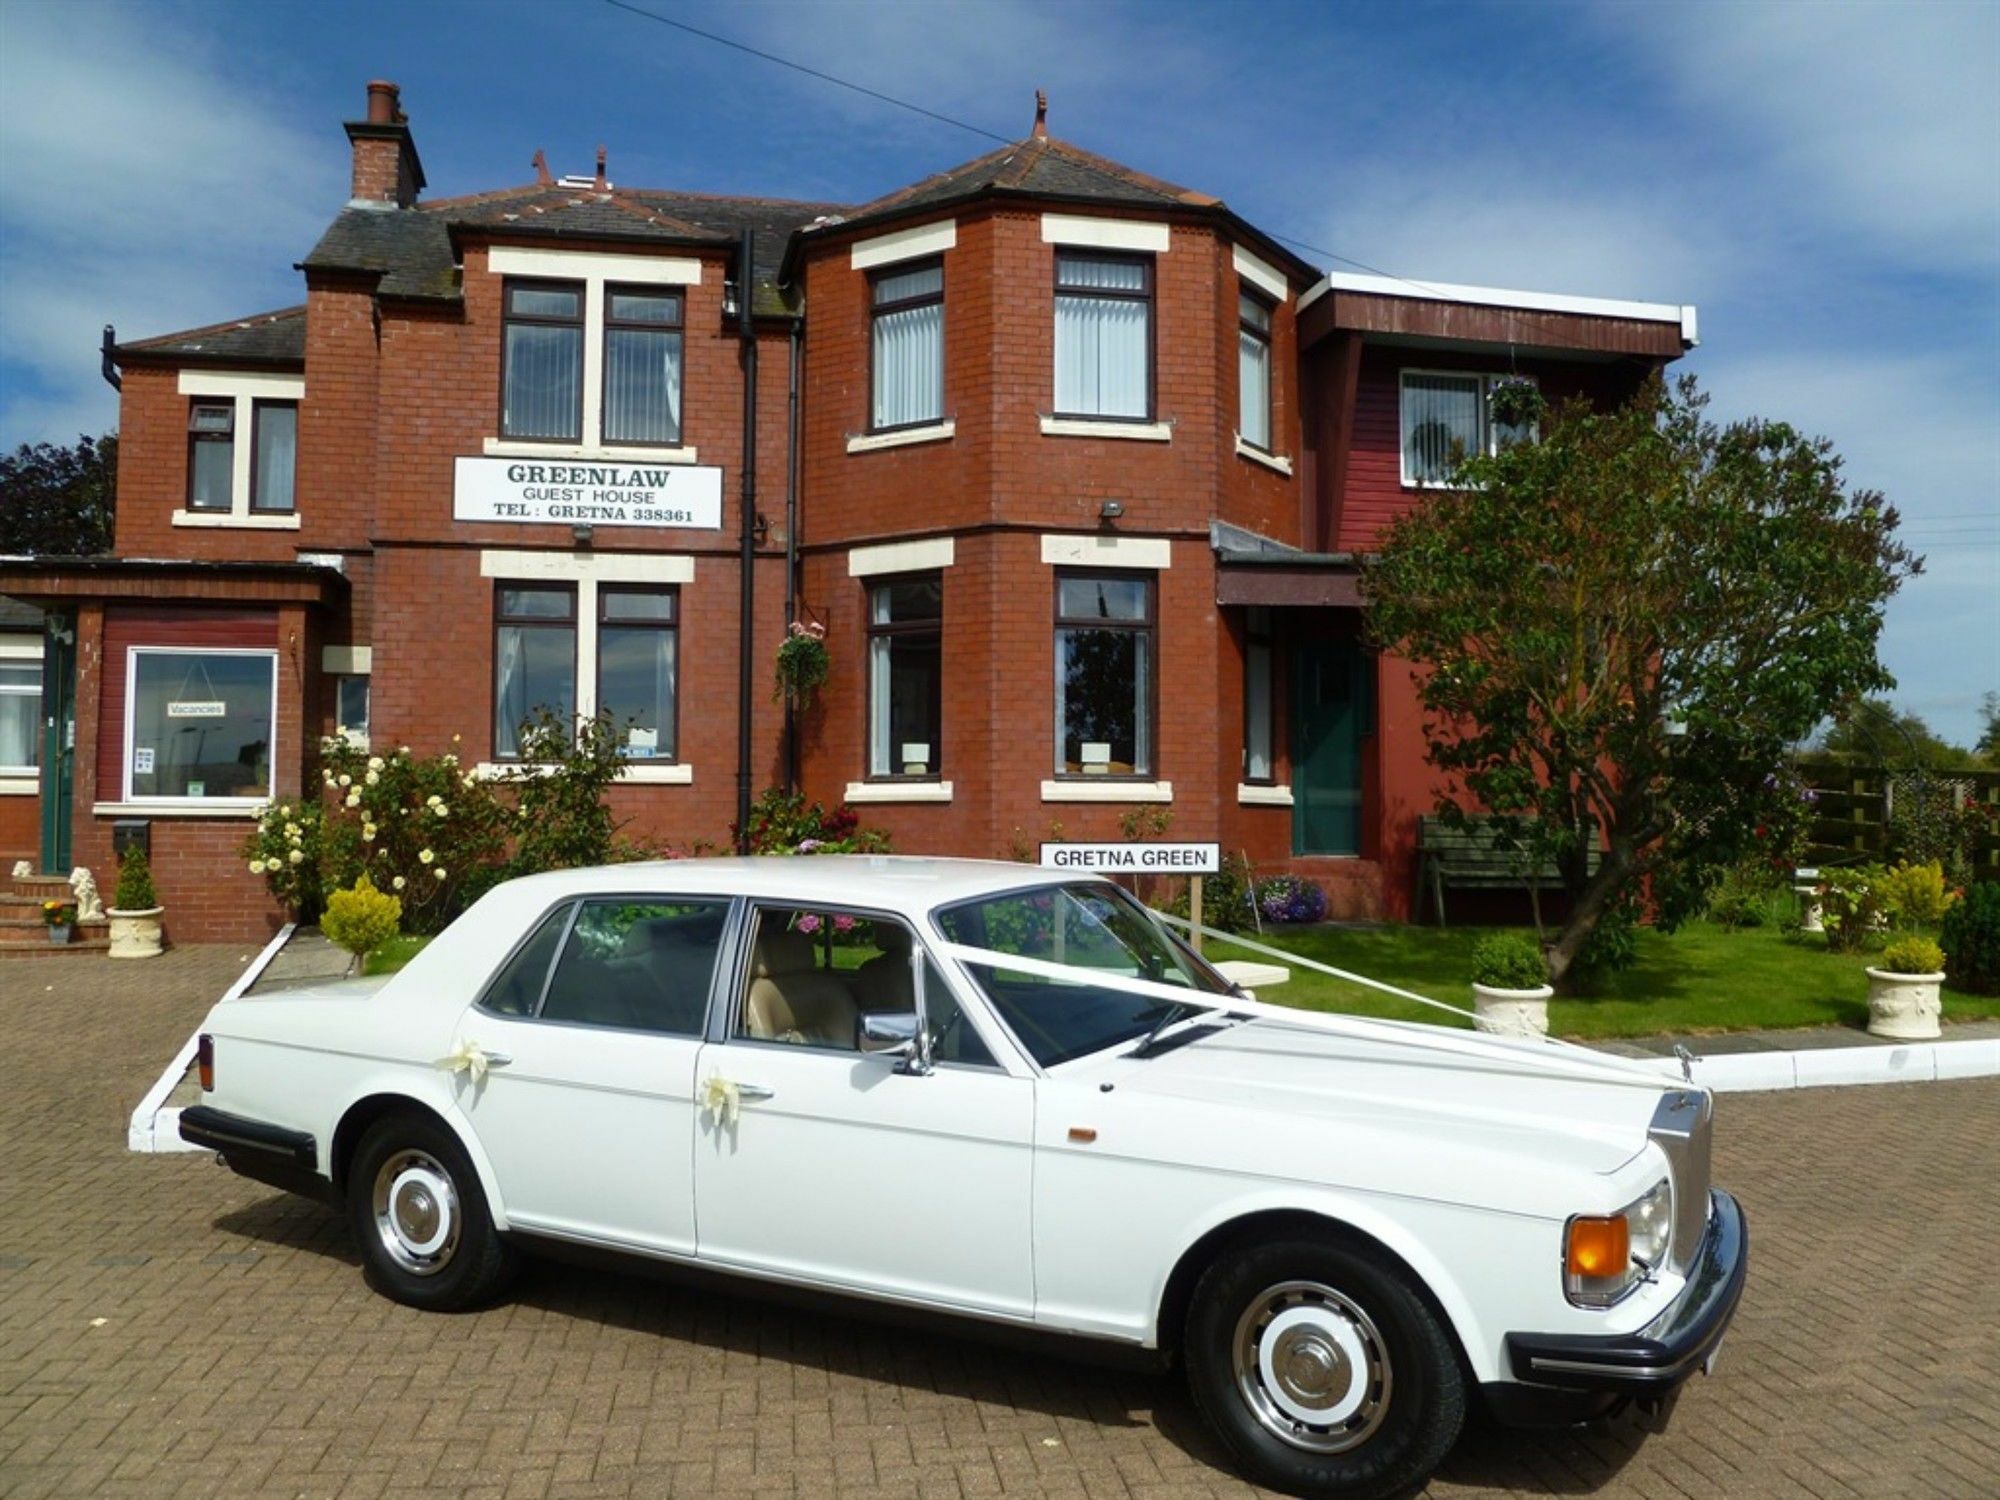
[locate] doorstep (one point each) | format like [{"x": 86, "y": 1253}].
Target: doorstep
[{"x": 1819, "y": 1056}]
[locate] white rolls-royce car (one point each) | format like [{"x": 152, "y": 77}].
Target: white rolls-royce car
[{"x": 1013, "y": 1096}]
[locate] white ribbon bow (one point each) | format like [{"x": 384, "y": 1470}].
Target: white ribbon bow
[
  {"x": 722, "y": 1099},
  {"x": 467, "y": 1059}
]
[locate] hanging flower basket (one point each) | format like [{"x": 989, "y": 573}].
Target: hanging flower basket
[{"x": 802, "y": 663}]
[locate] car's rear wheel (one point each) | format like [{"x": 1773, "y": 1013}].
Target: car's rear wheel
[
  {"x": 1324, "y": 1371},
  {"x": 420, "y": 1217}
]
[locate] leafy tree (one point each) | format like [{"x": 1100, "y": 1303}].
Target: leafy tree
[
  {"x": 1988, "y": 743},
  {"x": 1872, "y": 731},
  {"x": 1621, "y": 626},
  {"x": 59, "y": 501}
]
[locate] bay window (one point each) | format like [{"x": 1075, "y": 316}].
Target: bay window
[
  {"x": 642, "y": 366},
  {"x": 906, "y": 341},
  {"x": 541, "y": 361},
  {"x": 1253, "y": 370},
  {"x": 198, "y": 723},
  {"x": 905, "y": 675},
  {"x": 1104, "y": 336},
  {"x": 1447, "y": 417},
  {"x": 638, "y": 667},
  {"x": 534, "y": 659},
  {"x": 1104, "y": 665}
]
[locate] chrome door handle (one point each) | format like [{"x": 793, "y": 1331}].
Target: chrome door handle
[
  {"x": 497, "y": 1059},
  {"x": 754, "y": 1091}
]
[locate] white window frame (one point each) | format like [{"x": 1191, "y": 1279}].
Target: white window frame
[
  {"x": 1485, "y": 380},
  {"x": 132, "y": 655},
  {"x": 244, "y": 389},
  {"x": 594, "y": 270},
  {"x": 18, "y": 650}
]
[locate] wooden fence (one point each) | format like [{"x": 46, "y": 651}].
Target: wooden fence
[{"x": 1857, "y": 804}]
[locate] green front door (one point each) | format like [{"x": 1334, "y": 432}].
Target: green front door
[
  {"x": 58, "y": 738},
  {"x": 1331, "y": 703}
]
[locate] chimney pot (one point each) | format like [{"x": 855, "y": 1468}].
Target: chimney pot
[
  {"x": 384, "y": 102},
  {"x": 1041, "y": 115},
  {"x": 601, "y": 183}
]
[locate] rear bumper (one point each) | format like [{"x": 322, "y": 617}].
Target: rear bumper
[
  {"x": 271, "y": 1154},
  {"x": 1656, "y": 1359}
]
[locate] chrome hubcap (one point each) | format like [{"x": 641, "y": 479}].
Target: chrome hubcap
[
  {"x": 1312, "y": 1367},
  {"x": 416, "y": 1212}
]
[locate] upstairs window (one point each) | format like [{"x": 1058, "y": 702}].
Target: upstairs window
[
  {"x": 1253, "y": 370},
  {"x": 541, "y": 362},
  {"x": 905, "y": 675},
  {"x": 274, "y": 427},
  {"x": 211, "y": 455},
  {"x": 642, "y": 366},
  {"x": 1104, "y": 674},
  {"x": 1448, "y": 417},
  {"x": 907, "y": 346},
  {"x": 1104, "y": 336}
]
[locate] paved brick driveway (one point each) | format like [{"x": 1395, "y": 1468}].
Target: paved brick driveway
[{"x": 169, "y": 1330}]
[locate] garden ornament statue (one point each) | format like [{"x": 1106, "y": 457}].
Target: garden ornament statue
[
  {"x": 23, "y": 870},
  {"x": 89, "y": 906}
]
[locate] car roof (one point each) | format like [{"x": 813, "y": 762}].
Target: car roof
[{"x": 897, "y": 882}]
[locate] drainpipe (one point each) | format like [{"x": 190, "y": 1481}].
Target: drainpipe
[
  {"x": 792, "y": 542},
  {"x": 109, "y": 350},
  {"x": 747, "y": 552}
]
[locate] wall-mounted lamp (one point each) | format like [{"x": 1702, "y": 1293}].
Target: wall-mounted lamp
[
  {"x": 1109, "y": 512},
  {"x": 581, "y": 534}
]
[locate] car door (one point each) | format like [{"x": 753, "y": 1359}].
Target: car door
[
  {"x": 830, "y": 1166},
  {"x": 591, "y": 1032}
]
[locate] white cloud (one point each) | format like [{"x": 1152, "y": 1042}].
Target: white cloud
[{"x": 142, "y": 184}]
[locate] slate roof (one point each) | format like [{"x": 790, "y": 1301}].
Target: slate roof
[
  {"x": 409, "y": 247},
  {"x": 1042, "y": 167},
  {"x": 272, "y": 338},
  {"x": 18, "y": 614}
]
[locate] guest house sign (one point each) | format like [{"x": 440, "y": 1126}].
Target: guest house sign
[{"x": 562, "y": 492}]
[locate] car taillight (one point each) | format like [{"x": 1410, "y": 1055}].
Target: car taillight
[{"x": 204, "y": 1062}]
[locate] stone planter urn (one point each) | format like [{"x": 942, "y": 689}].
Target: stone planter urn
[
  {"x": 1518, "y": 1013},
  {"x": 1903, "y": 1006},
  {"x": 135, "y": 934}
]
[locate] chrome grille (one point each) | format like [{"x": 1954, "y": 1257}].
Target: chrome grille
[{"x": 1682, "y": 1125}]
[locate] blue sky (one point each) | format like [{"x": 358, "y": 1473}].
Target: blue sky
[{"x": 1823, "y": 180}]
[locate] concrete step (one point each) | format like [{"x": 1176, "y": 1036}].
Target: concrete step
[{"x": 40, "y": 887}]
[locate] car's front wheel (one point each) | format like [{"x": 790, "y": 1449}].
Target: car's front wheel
[
  {"x": 420, "y": 1217},
  {"x": 1323, "y": 1370}
]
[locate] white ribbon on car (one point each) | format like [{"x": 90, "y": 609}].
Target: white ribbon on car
[
  {"x": 468, "y": 1058},
  {"x": 1551, "y": 1054},
  {"x": 721, "y": 1100}
]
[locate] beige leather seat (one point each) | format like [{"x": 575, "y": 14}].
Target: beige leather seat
[
  {"x": 791, "y": 1000},
  {"x": 883, "y": 983}
]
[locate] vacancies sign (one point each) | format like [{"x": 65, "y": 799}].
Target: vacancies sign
[{"x": 560, "y": 492}]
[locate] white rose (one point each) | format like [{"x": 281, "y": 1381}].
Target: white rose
[
  {"x": 425, "y": 856},
  {"x": 398, "y": 882},
  {"x": 256, "y": 867},
  {"x": 439, "y": 872},
  {"x": 441, "y": 810},
  {"x": 372, "y": 778},
  {"x": 347, "y": 781},
  {"x": 467, "y": 779},
  {"x": 374, "y": 762},
  {"x": 354, "y": 799},
  {"x": 368, "y": 833},
  {"x": 297, "y": 856}
]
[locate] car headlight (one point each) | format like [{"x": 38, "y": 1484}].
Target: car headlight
[{"x": 1605, "y": 1258}]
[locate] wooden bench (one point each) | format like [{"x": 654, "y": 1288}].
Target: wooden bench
[{"x": 1475, "y": 858}]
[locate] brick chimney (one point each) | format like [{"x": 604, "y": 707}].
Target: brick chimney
[{"x": 387, "y": 173}]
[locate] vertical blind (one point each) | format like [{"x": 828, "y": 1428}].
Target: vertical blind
[
  {"x": 544, "y": 381},
  {"x": 1253, "y": 373},
  {"x": 1440, "y": 424},
  {"x": 642, "y": 386},
  {"x": 909, "y": 348},
  {"x": 277, "y": 456},
  {"x": 1102, "y": 342}
]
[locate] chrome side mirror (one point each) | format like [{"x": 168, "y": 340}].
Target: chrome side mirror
[{"x": 894, "y": 1033}]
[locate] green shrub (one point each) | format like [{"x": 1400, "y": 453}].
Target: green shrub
[
  {"x": 1612, "y": 947},
  {"x": 135, "y": 882},
  {"x": 361, "y": 919},
  {"x": 1507, "y": 961},
  {"x": 785, "y": 823},
  {"x": 1970, "y": 939},
  {"x": 1742, "y": 897},
  {"x": 1912, "y": 955},
  {"x": 1225, "y": 898},
  {"x": 1851, "y": 907},
  {"x": 1914, "y": 895}
]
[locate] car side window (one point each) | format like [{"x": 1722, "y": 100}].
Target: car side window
[
  {"x": 638, "y": 965},
  {"x": 813, "y": 974},
  {"x": 517, "y": 989}
]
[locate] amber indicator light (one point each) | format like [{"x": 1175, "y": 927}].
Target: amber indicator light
[
  {"x": 1599, "y": 1247},
  {"x": 1082, "y": 1134},
  {"x": 204, "y": 1062}
]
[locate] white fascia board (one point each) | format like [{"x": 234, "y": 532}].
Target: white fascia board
[
  {"x": 598, "y": 567},
  {"x": 1105, "y": 234},
  {"x": 1491, "y": 296},
  {"x": 594, "y": 265},
  {"x": 347, "y": 661},
  {"x": 904, "y": 244},
  {"x": 1266, "y": 277},
  {"x": 1071, "y": 549},
  {"x": 902, "y": 557},
  {"x": 257, "y": 384}
]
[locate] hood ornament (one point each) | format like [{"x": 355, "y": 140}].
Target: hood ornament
[{"x": 1687, "y": 1062}]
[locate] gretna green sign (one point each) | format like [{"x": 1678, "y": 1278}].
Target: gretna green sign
[{"x": 558, "y": 493}]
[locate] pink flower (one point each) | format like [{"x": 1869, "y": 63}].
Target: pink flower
[
  {"x": 807, "y": 922},
  {"x": 843, "y": 924}
]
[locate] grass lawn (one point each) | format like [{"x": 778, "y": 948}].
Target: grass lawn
[
  {"x": 1703, "y": 978},
  {"x": 393, "y": 954}
]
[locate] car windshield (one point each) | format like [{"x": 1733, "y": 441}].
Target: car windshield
[{"x": 1084, "y": 926}]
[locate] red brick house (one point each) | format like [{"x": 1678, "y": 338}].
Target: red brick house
[{"x": 1074, "y": 466}]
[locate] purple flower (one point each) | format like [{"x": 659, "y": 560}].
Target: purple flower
[{"x": 806, "y": 846}]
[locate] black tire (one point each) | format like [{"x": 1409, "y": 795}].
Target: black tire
[
  {"x": 420, "y": 1218},
  {"x": 1282, "y": 1332}
]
